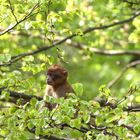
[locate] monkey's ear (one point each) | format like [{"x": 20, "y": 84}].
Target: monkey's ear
[{"x": 65, "y": 73}]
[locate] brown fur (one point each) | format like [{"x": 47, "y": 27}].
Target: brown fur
[{"x": 57, "y": 82}]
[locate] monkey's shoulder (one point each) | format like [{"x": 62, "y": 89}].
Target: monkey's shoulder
[
  {"x": 69, "y": 88},
  {"x": 65, "y": 89}
]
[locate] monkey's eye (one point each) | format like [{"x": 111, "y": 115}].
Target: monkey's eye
[
  {"x": 49, "y": 74},
  {"x": 57, "y": 76}
]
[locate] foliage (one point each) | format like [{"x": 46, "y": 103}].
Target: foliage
[
  {"x": 72, "y": 118},
  {"x": 97, "y": 41}
]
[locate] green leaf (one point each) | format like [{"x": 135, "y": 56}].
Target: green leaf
[
  {"x": 89, "y": 135},
  {"x": 136, "y": 22},
  {"x": 137, "y": 99},
  {"x": 23, "y": 135},
  {"x": 21, "y": 113},
  {"x": 112, "y": 118},
  {"x": 94, "y": 103},
  {"x": 137, "y": 128},
  {"x": 12, "y": 122},
  {"x": 104, "y": 90},
  {"x": 12, "y": 109},
  {"x": 102, "y": 137},
  {"x": 86, "y": 118},
  {"x": 5, "y": 94},
  {"x": 79, "y": 32},
  {"x": 27, "y": 25},
  {"x": 44, "y": 112},
  {"x": 66, "y": 119},
  {"x": 75, "y": 123},
  {"x": 29, "y": 58},
  {"x": 78, "y": 88},
  {"x": 98, "y": 120},
  {"x": 37, "y": 131},
  {"x": 5, "y": 58},
  {"x": 33, "y": 101},
  {"x": 30, "y": 124},
  {"x": 39, "y": 105}
]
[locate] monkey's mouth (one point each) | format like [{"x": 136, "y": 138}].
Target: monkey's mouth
[{"x": 49, "y": 82}]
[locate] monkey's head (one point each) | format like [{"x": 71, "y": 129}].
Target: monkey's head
[{"x": 56, "y": 75}]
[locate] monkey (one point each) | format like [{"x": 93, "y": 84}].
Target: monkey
[{"x": 57, "y": 84}]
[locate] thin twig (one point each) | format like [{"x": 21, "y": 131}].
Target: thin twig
[
  {"x": 3, "y": 20},
  {"x": 114, "y": 81},
  {"x": 130, "y": 92},
  {"x": 21, "y": 20},
  {"x": 12, "y": 10}
]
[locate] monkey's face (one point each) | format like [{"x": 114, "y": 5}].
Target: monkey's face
[{"x": 56, "y": 77}]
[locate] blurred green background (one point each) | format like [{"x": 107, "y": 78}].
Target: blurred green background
[{"x": 54, "y": 20}]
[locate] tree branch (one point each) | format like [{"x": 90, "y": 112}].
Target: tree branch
[
  {"x": 17, "y": 95},
  {"x": 131, "y": 2},
  {"x": 28, "y": 97},
  {"x": 114, "y": 81},
  {"x": 133, "y": 108},
  {"x": 46, "y": 137},
  {"x": 114, "y": 52},
  {"x": 18, "y": 57},
  {"x": 21, "y": 20},
  {"x": 106, "y": 52}
]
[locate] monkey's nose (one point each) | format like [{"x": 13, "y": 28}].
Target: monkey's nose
[{"x": 49, "y": 81}]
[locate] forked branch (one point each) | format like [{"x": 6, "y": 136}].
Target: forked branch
[{"x": 18, "y": 57}]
